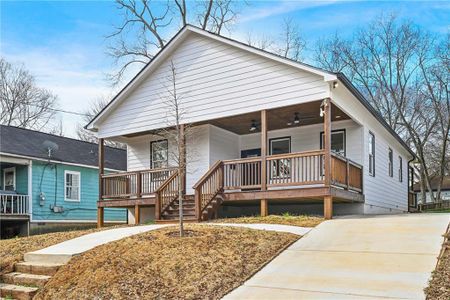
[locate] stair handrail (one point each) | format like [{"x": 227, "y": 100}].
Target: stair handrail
[
  {"x": 212, "y": 180},
  {"x": 165, "y": 194}
]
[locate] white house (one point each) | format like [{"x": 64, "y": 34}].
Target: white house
[{"x": 266, "y": 131}]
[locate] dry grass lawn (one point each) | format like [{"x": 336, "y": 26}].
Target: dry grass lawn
[
  {"x": 439, "y": 286},
  {"x": 208, "y": 263},
  {"x": 302, "y": 221},
  {"x": 12, "y": 250}
]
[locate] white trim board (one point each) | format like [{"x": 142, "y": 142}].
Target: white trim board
[{"x": 57, "y": 162}]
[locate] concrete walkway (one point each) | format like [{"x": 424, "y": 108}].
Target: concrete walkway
[
  {"x": 271, "y": 227},
  {"x": 61, "y": 253},
  {"x": 376, "y": 257}
]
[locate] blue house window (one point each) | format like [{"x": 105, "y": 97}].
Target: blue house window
[{"x": 72, "y": 181}]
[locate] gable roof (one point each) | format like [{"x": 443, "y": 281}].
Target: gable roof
[
  {"x": 30, "y": 143},
  {"x": 176, "y": 40},
  {"x": 186, "y": 30}
]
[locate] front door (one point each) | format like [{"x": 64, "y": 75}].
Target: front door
[
  {"x": 280, "y": 168},
  {"x": 249, "y": 175}
]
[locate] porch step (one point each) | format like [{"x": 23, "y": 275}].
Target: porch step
[
  {"x": 48, "y": 269},
  {"x": 25, "y": 279},
  {"x": 176, "y": 220},
  {"x": 17, "y": 292}
]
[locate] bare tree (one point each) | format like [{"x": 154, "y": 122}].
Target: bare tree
[
  {"x": 291, "y": 43},
  {"x": 385, "y": 61},
  {"x": 262, "y": 42},
  {"x": 23, "y": 103},
  {"x": 436, "y": 77},
  {"x": 144, "y": 28},
  {"x": 88, "y": 136},
  {"x": 177, "y": 133}
]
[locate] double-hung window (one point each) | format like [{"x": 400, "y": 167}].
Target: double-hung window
[
  {"x": 391, "y": 162},
  {"x": 72, "y": 186},
  {"x": 337, "y": 141},
  {"x": 400, "y": 169},
  {"x": 371, "y": 154},
  {"x": 159, "y": 154}
]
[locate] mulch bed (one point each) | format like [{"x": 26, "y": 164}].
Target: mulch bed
[
  {"x": 12, "y": 250},
  {"x": 302, "y": 221},
  {"x": 208, "y": 263}
]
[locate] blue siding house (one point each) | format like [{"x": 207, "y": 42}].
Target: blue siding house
[{"x": 48, "y": 182}]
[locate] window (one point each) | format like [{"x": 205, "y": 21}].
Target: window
[
  {"x": 391, "y": 162},
  {"x": 400, "y": 169},
  {"x": 72, "y": 185},
  {"x": 337, "y": 141},
  {"x": 371, "y": 154},
  {"x": 159, "y": 154},
  {"x": 9, "y": 179},
  {"x": 280, "y": 168}
]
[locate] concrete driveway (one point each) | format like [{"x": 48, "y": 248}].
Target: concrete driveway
[{"x": 373, "y": 257}]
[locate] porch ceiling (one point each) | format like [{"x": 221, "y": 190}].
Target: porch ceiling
[{"x": 308, "y": 114}]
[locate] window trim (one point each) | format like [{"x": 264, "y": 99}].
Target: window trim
[
  {"x": 400, "y": 168},
  {"x": 373, "y": 153},
  {"x": 151, "y": 152},
  {"x": 390, "y": 162},
  {"x": 280, "y": 139},
  {"x": 65, "y": 185},
  {"x": 336, "y": 131},
  {"x": 4, "y": 177}
]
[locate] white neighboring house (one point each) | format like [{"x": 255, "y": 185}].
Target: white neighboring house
[{"x": 267, "y": 131}]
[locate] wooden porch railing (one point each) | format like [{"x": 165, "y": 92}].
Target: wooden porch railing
[
  {"x": 134, "y": 184},
  {"x": 346, "y": 173},
  {"x": 166, "y": 193},
  {"x": 242, "y": 173},
  {"x": 208, "y": 187},
  {"x": 12, "y": 204},
  {"x": 301, "y": 168}
]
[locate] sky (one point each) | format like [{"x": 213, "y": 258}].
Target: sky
[{"x": 64, "y": 45}]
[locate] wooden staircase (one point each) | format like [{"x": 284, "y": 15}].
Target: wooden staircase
[
  {"x": 202, "y": 206},
  {"x": 172, "y": 212}
]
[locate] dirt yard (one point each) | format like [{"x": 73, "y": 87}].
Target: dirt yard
[
  {"x": 208, "y": 263},
  {"x": 302, "y": 221},
  {"x": 439, "y": 287}
]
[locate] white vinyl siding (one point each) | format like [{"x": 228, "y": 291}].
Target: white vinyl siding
[
  {"x": 382, "y": 194},
  {"x": 215, "y": 80},
  {"x": 72, "y": 186},
  {"x": 307, "y": 138}
]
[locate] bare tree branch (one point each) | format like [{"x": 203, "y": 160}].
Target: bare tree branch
[{"x": 23, "y": 104}]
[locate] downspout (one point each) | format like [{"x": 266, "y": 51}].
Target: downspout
[{"x": 408, "y": 182}]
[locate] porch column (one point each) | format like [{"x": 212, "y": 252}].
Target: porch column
[
  {"x": 328, "y": 207},
  {"x": 328, "y": 200},
  {"x": 101, "y": 169},
  {"x": 137, "y": 215},
  {"x": 264, "y": 202},
  {"x": 326, "y": 106}
]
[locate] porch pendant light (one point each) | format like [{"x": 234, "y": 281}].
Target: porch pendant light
[
  {"x": 253, "y": 126},
  {"x": 296, "y": 119}
]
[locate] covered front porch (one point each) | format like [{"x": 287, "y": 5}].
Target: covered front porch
[
  {"x": 260, "y": 164},
  {"x": 15, "y": 191}
]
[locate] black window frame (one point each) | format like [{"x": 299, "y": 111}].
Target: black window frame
[
  {"x": 151, "y": 153},
  {"x": 400, "y": 169},
  {"x": 280, "y": 168},
  {"x": 372, "y": 155},
  {"x": 335, "y": 131},
  {"x": 390, "y": 162}
]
